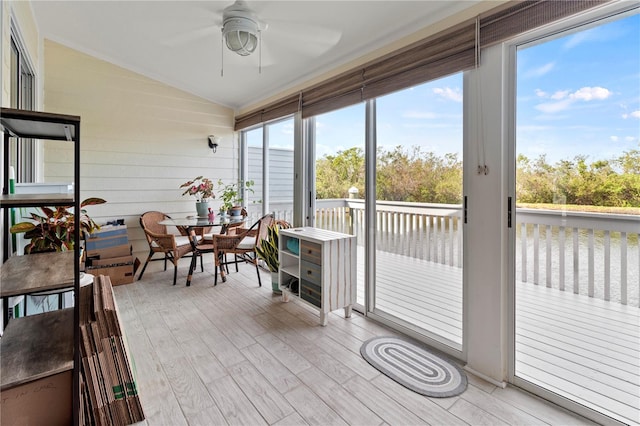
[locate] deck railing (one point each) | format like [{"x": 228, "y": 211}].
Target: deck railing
[{"x": 587, "y": 253}]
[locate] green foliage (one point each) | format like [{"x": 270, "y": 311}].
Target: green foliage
[
  {"x": 268, "y": 249},
  {"x": 417, "y": 176},
  {"x": 337, "y": 173},
  {"x": 230, "y": 193},
  {"x": 53, "y": 230},
  {"x": 413, "y": 176},
  {"x": 610, "y": 183}
]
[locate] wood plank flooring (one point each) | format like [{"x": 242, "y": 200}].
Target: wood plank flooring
[
  {"x": 235, "y": 354},
  {"x": 583, "y": 348}
]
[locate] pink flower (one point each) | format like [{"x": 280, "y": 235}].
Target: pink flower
[{"x": 202, "y": 190}]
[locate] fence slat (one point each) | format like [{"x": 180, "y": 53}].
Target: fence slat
[
  {"x": 536, "y": 254},
  {"x": 607, "y": 265},
  {"x": 523, "y": 248},
  {"x": 547, "y": 231},
  {"x": 561, "y": 266},
  {"x": 590, "y": 262},
  {"x": 576, "y": 261},
  {"x": 623, "y": 268}
]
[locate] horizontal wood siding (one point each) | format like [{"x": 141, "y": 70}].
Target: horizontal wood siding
[
  {"x": 140, "y": 139},
  {"x": 280, "y": 179}
]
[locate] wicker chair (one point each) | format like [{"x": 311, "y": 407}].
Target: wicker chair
[
  {"x": 173, "y": 247},
  {"x": 242, "y": 245}
]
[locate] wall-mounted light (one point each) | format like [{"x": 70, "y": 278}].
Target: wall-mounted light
[{"x": 214, "y": 141}]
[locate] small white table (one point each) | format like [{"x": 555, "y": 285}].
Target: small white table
[{"x": 325, "y": 267}]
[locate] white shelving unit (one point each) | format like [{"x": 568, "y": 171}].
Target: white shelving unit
[{"x": 324, "y": 269}]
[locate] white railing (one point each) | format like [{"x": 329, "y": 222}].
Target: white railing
[
  {"x": 420, "y": 230},
  {"x": 588, "y": 253}
]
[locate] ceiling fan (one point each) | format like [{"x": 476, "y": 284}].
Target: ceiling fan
[{"x": 243, "y": 31}]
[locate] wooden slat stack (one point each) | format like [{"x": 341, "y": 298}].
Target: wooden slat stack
[{"x": 109, "y": 394}]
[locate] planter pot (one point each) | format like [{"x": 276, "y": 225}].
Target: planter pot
[
  {"x": 274, "y": 283},
  {"x": 202, "y": 208},
  {"x": 236, "y": 211}
]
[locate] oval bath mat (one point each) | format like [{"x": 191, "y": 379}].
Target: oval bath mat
[{"x": 414, "y": 367}]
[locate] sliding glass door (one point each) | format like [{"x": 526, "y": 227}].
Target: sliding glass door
[
  {"x": 577, "y": 160},
  {"x": 340, "y": 179},
  {"x": 418, "y": 266}
]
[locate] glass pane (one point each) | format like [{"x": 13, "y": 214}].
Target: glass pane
[
  {"x": 577, "y": 261},
  {"x": 418, "y": 208},
  {"x": 340, "y": 138},
  {"x": 280, "y": 136},
  {"x": 254, "y": 172}
]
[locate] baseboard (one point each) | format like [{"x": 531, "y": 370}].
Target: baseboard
[{"x": 494, "y": 382}]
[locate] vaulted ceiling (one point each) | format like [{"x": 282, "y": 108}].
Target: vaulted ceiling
[{"x": 180, "y": 43}]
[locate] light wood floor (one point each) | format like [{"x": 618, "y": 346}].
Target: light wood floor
[
  {"x": 235, "y": 354},
  {"x": 583, "y": 348}
]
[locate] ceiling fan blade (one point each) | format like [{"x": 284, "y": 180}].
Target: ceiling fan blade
[
  {"x": 203, "y": 21},
  {"x": 301, "y": 38},
  {"x": 192, "y": 36}
]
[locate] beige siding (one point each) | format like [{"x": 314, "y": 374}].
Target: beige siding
[{"x": 140, "y": 139}]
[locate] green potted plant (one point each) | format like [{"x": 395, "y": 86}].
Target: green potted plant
[
  {"x": 230, "y": 196},
  {"x": 202, "y": 189},
  {"x": 53, "y": 230},
  {"x": 268, "y": 252}
]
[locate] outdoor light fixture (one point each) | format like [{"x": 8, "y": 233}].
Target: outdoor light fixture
[{"x": 214, "y": 141}]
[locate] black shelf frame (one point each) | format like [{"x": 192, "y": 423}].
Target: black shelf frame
[{"x": 57, "y": 127}]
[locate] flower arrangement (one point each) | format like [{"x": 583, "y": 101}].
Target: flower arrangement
[{"x": 200, "y": 187}]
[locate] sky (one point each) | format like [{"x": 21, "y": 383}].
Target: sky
[{"x": 577, "y": 94}]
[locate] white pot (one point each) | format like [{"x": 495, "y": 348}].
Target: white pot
[{"x": 274, "y": 283}]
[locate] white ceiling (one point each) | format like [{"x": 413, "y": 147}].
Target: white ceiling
[{"x": 179, "y": 42}]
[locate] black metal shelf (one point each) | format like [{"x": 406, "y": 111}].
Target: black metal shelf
[{"x": 26, "y": 334}]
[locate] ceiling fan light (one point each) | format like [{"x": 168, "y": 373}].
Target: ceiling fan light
[
  {"x": 241, "y": 42},
  {"x": 240, "y": 35}
]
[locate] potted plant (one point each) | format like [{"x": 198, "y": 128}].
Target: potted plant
[
  {"x": 53, "y": 230},
  {"x": 268, "y": 252},
  {"x": 202, "y": 189},
  {"x": 231, "y": 196}
]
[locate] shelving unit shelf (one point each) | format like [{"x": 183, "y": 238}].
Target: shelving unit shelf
[
  {"x": 324, "y": 269},
  {"x": 39, "y": 366},
  {"x": 24, "y": 274}
]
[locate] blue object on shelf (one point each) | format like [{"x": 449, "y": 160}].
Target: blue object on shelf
[{"x": 293, "y": 245}]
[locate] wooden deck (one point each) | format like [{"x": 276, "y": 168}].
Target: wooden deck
[
  {"x": 585, "y": 349},
  {"x": 235, "y": 354}
]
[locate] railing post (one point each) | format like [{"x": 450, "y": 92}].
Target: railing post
[{"x": 353, "y": 193}]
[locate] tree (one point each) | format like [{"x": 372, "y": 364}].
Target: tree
[{"x": 335, "y": 174}]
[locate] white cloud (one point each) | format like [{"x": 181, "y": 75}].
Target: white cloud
[
  {"x": 634, "y": 114},
  {"x": 541, "y": 93},
  {"x": 577, "y": 39},
  {"x": 541, "y": 70},
  {"x": 560, "y": 94},
  {"x": 591, "y": 93},
  {"x": 565, "y": 98},
  {"x": 630, "y": 138},
  {"x": 420, "y": 115},
  {"x": 614, "y": 138},
  {"x": 449, "y": 93},
  {"x": 553, "y": 107}
]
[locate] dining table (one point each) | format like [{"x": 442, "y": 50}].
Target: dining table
[{"x": 191, "y": 223}]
